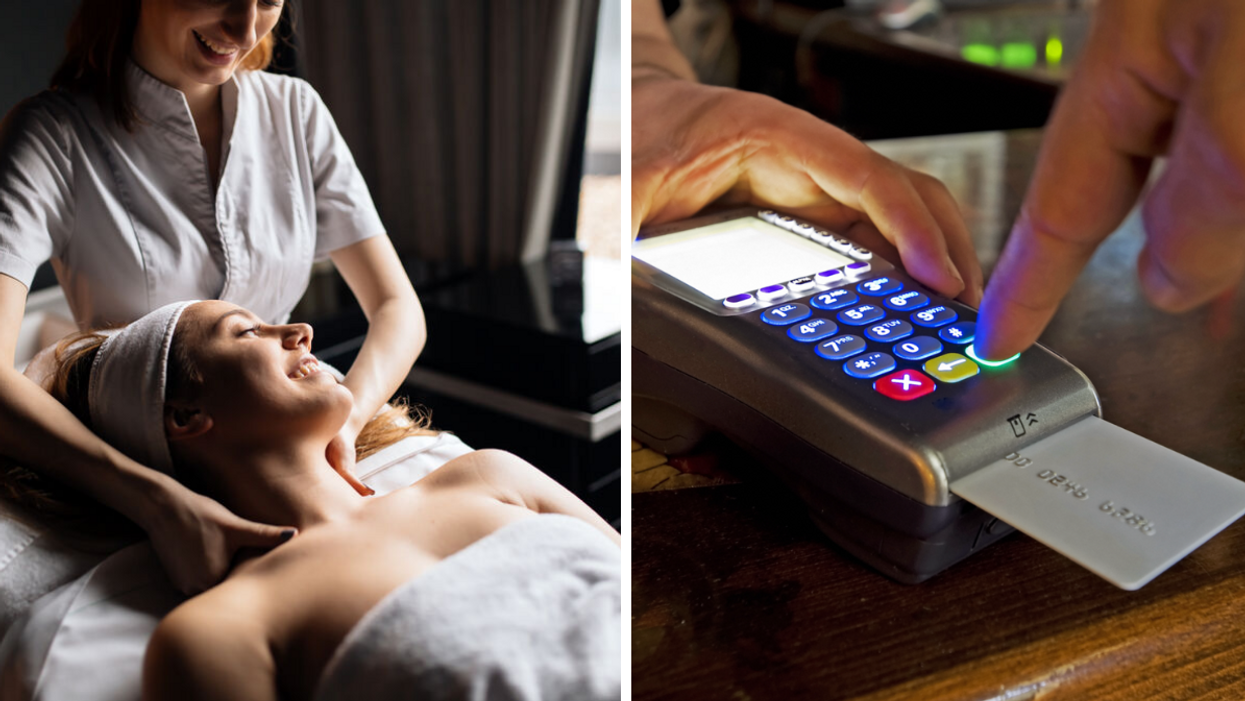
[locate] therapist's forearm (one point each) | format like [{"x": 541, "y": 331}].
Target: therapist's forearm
[
  {"x": 38, "y": 432},
  {"x": 395, "y": 337}
]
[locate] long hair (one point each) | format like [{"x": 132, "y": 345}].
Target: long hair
[
  {"x": 69, "y": 384},
  {"x": 97, "y": 48}
]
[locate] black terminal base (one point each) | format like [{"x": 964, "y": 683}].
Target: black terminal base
[{"x": 898, "y": 536}]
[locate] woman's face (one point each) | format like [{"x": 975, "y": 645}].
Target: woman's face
[
  {"x": 200, "y": 42},
  {"x": 260, "y": 379}
]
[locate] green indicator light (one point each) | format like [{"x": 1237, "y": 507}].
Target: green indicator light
[
  {"x": 972, "y": 353},
  {"x": 1054, "y": 51},
  {"x": 984, "y": 54},
  {"x": 1019, "y": 55}
]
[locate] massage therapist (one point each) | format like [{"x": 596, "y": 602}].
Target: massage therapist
[{"x": 165, "y": 165}]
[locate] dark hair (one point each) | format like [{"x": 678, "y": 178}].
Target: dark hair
[
  {"x": 69, "y": 385},
  {"x": 98, "y": 46}
]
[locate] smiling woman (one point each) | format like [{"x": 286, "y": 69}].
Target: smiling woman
[
  {"x": 168, "y": 37},
  {"x": 164, "y": 165},
  {"x": 485, "y": 575}
]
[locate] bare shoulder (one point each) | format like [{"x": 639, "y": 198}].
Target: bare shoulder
[
  {"x": 513, "y": 480},
  {"x": 207, "y": 648},
  {"x": 495, "y": 472}
]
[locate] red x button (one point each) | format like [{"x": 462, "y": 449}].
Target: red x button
[{"x": 904, "y": 385}]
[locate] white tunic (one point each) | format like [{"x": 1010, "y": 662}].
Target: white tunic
[{"x": 131, "y": 220}]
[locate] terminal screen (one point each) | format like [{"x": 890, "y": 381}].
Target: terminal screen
[{"x": 741, "y": 255}]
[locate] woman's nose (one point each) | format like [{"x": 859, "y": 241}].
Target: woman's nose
[
  {"x": 239, "y": 22},
  {"x": 296, "y": 336}
]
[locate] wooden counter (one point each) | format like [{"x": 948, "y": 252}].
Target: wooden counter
[{"x": 737, "y": 596}]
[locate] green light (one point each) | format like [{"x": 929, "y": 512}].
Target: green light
[
  {"x": 1019, "y": 55},
  {"x": 972, "y": 353},
  {"x": 984, "y": 54},
  {"x": 1054, "y": 51}
]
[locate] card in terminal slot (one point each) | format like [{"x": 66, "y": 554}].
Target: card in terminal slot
[{"x": 1121, "y": 506}]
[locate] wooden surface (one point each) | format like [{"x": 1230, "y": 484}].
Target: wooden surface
[{"x": 737, "y": 596}]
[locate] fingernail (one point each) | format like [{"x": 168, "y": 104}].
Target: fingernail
[
  {"x": 287, "y": 534},
  {"x": 955, "y": 272}
]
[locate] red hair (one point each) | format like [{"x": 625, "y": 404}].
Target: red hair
[{"x": 97, "y": 48}]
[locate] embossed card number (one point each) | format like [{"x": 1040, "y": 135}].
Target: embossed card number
[
  {"x": 1098, "y": 496},
  {"x": 1059, "y": 480},
  {"x": 1127, "y": 516}
]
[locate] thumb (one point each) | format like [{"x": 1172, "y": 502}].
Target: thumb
[
  {"x": 248, "y": 534},
  {"x": 346, "y": 470}
]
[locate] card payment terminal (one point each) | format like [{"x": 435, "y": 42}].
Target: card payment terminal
[{"x": 854, "y": 383}]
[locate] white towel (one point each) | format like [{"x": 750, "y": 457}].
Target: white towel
[{"x": 531, "y": 612}]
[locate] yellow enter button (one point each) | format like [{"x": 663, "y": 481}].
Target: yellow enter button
[{"x": 951, "y": 367}]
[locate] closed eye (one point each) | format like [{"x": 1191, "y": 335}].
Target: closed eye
[{"x": 253, "y": 329}]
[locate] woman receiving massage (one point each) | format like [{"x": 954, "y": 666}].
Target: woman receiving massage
[{"x": 485, "y": 579}]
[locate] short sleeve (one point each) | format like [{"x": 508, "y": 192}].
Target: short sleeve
[
  {"x": 345, "y": 213},
  {"x": 36, "y": 205}
]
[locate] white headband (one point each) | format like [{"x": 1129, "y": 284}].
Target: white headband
[{"x": 125, "y": 394}]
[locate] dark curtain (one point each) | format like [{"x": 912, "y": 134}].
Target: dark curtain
[{"x": 446, "y": 105}]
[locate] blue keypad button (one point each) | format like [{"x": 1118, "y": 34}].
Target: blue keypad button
[
  {"x": 835, "y": 299},
  {"x": 869, "y": 365},
  {"x": 861, "y": 314},
  {"x": 918, "y": 348},
  {"x": 812, "y": 330},
  {"x": 841, "y": 347},
  {"x": 934, "y": 317},
  {"x": 961, "y": 332},
  {"x": 879, "y": 286},
  {"x": 739, "y": 301},
  {"x": 771, "y": 292},
  {"x": 909, "y": 301},
  {"x": 889, "y": 330},
  {"x": 829, "y": 277},
  {"x": 857, "y": 269},
  {"x": 785, "y": 314}
]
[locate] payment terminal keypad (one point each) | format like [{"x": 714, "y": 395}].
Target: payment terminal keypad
[
  {"x": 905, "y": 385},
  {"x": 870, "y": 365},
  {"x": 889, "y": 330},
  {"x": 909, "y": 301},
  {"x": 872, "y": 323},
  {"x": 960, "y": 333},
  {"x": 879, "y": 286},
  {"x": 835, "y": 299},
  {"x": 876, "y": 327},
  {"x": 861, "y": 314},
  {"x": 841, "y": 347},
  {"x": 918, "y": 348},
  {"x": 812, "y": 330},
  {"x": 934, "y": 317}
]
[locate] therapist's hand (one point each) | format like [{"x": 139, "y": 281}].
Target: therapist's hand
[
  {"x": 341, "y": 455},
  {"x": 1157, "y": 76},
  {"x": 196, "y": 538},
  {"x": 695, "y": 144}
]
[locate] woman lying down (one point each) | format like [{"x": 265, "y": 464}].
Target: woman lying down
[{"x": 485, "y": 579}]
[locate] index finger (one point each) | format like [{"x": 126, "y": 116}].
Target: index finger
[{"x": 1093, "y": 163}]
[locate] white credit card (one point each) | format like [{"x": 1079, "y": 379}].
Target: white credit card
[{"x": 1121, "y": 506}]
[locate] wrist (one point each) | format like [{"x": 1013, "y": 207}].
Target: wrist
[{"x": 153, "y": 496}]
